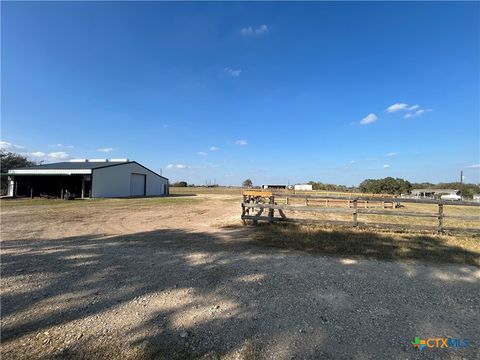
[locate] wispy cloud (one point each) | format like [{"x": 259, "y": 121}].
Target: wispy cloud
[
  {"x": 397, "y": 107},
  {"x": 391, "y": 154},
  {"x": 5, "y": 145},
  {"x": 62, "y": 146},
  {"x": 411, "y": 110},
  {"x": 241, "y": 142},
  {"x": 202, "y": 153},
  {"x": 105, "y": 149},
  {"x": 370, "y": 118},
  {"x": 386, "y": 166},
  {"x": 56, "y": 155},
  {"x": 177, "y": 166},
  {"x": 60, "y": 155},
  {"x": 232, "y": 72},
  {"x": 254, "y": 31},
  {"x": 417, "y": 113},
  {"x": 474, "y": 166},
  {"x": 401, "y": 107},
  {"x": 214, "y": 148}
]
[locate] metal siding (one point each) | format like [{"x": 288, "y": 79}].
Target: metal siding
[
  {"x": 137, "y": 184},
  {"x": 114, "y": 181}
]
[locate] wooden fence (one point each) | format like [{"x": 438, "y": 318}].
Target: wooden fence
[{"x": 255, "y": 202}]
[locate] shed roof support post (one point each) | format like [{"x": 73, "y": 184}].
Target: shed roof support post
[{"x": 83, "y": 187}]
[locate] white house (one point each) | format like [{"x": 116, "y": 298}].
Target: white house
[{"x": 96, "y": 178}]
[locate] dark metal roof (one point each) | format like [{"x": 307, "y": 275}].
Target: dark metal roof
[
  {"x": 69, "y": 165},
  {"x": 73, "y": 165}
]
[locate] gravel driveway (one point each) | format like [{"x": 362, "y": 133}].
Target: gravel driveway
[{"x": 199, "y": 291}]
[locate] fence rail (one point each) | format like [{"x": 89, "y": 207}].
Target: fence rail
[{"x": 260, "y": 201}]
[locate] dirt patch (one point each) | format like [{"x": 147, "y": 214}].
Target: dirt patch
[{"x": 165, "y": 279}]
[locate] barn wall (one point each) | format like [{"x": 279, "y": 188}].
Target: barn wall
[{"x": 114, "y": 181}]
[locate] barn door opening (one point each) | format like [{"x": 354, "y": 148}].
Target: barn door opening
[{"x": 137, "y": 184}]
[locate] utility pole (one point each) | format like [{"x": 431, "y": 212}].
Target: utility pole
[{"x": 461, "y": 176}]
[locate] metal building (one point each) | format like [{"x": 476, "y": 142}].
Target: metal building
[{"x": 96, "y": 178}]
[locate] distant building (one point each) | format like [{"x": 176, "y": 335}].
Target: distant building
[
  {"x": 432, "y": 193},
  {"x": 274, "y": 186},
  {"x": 476, "y": 197},
  {"x": 303, "y": 187}
]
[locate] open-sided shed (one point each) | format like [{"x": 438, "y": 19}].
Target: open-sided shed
[{"x": 87, "y": 178}]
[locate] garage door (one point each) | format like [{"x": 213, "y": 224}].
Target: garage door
[{"x": 137, "y": 185}]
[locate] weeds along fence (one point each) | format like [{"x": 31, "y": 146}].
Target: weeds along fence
[{"x": 273, "y": 207}]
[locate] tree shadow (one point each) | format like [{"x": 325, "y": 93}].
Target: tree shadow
[
  {"x": 175, "y": 294},
  {"x": 368, "y": 244}
]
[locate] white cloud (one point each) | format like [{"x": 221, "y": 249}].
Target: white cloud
[
  {"x": 401, "y": 107},
  {"x": 62, "y": 146},
  {"x": 105, "y": 149},
  {"x": 38, "y": 154},
  {"x": 352, "y": 162},
  {"x": 214, "y": 148},
  {"x": 474, "y": 166},
  {"x": 390, "y": 154},
  {"x": 370, "y": 118},
  {"x": 5, "y": 145},
  {"x": 202, "y": 153},
  {"x": 417, "y": 113},
  {"x": 386, "y": 166},
  {"x": 232, "y": 72},
  {"x": 412, "y": 110},
  {"x": 56, "y": 155},
  {"x": 177, "y": 166},
  {"x": 254, "y": 31},
  {"x": 397, "y": 107},
  {"x": 241, "y": 142},
  {"x": 60, "y": 155}
]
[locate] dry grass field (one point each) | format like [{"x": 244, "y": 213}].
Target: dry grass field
[{"x": 181, "y": 277}]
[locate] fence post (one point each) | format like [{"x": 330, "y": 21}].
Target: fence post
[
  {"x": 440, "y": 218},
  {"x": 271, "y": 210},
  {"x": 306, "y": 201},
  {"x": 355, "y": 207},
  {"x": 243, "y": 213}
]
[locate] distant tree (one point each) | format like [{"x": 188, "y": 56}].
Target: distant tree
[
  {"x": 388, "y": 185},
  {"x": 247, "y": 183},
  {"x": 10, "y": 161},
  {"x": 180, "y": 184},
  {"x": 330, "y": 187}
]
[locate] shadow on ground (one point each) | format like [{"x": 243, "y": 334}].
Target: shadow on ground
[
  {"x": 371, "y": 245},
  {"x": 173, "y": 294}
]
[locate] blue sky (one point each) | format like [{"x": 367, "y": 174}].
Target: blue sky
[{"x": 275, "y": 92}]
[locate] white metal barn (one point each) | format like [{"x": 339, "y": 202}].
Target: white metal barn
[
  {"x": 96, "y": 178},
  {"x": 303, "y": 187}
]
